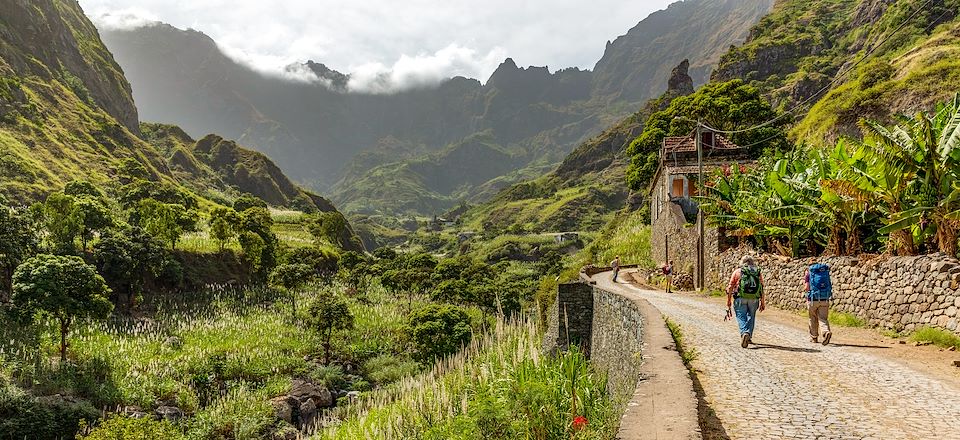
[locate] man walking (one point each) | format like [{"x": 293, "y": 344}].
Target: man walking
[
  {"x": 615, "y": 264},
  {"x": 745, "y": 296},
  {"x": 819, "y": 290}
]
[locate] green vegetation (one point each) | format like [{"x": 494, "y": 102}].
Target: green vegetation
[
  {"x": 731, "y": 105},
  {"x": 905, "y": 54},
  {"x": 844, "y": 319},
  {"x": 896, "y": 190},
  {"x": 939, "y": 337},
  {"x": 64, "y": 288},
  {"x": 500, "y": 387},
  {"x": 687, "y": 354},
  {"x": 127, "y": 428}
]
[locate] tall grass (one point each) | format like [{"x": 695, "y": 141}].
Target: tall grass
[{"x": 501, "y": 386}]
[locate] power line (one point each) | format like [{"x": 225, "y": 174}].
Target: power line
[{"x": 836, "y": 78}]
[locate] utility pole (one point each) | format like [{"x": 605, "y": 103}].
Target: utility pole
[{"x": 700, "y": 240}]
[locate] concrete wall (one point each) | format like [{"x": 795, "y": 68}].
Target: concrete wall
[{"x": 901, "y": 293}]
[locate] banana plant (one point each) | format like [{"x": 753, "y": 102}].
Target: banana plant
[{"x": 926, "y": 147}]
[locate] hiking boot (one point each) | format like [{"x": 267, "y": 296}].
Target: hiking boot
[
  {"x": 745, "y": 340},
  {"x": 826, "y": 337}
]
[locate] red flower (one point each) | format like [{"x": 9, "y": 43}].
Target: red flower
[{"x": 579, "y": 423}]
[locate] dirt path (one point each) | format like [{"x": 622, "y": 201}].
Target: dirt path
[{"x": 786, "y": 387}]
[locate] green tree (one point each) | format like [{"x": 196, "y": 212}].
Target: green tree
[
  {"x": 166, "y": 221},
  {"x": 438, "y": 330},
  {"x": 326, "y": 314},
  {"x": 94, "y": 217},
  {"x": 247, "y": 201},
  {"x": 63, "y": 287},
  {"x": 263, "y": 250},
  {"x": 78, "y": 188},
  {"x": 254, "y": 250},
  {"x": 290, "y": 278},
  {"x": 62, "y": 222},
  {"x": 323, "y": 262},
  {"x": 926, "y": 148},
  {"x": 18, "y": 241},
  {"x": 330, "y": 227},
  {"x": 126, "y": 259},
  {"x": 224, "y": 223},
  {"x": 728, "y": 106}
]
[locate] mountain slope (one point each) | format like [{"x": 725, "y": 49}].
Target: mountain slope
[
  {"x": 214, "y": 162},
  {"x": 588, "y": 186},
  {"x": 888, "y": 56},
  {"x": 66, "y": 113},
  {"x": 634, "y": 66},
  {"x": 314, "y": 129}
]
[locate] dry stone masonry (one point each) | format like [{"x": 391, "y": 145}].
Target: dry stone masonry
[{"x": 900, "y": 293}]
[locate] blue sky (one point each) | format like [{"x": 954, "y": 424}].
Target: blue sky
[{"x": 411, "y": 42}]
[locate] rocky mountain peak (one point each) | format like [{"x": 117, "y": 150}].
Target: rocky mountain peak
[
  {"x": 338, "y": 81},
  {"x": 680, "y": 81}
]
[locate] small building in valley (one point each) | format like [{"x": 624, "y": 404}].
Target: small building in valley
[{"x": 674, "y": 211}]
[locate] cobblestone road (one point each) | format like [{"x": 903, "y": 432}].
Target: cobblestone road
[{"x": 787, "y": 387}]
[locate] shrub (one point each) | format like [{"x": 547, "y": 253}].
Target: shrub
[
  {"x": 438, "y": 330},
  {"x": 126, "y": 428},
  {"x": 23, "y": 416}
]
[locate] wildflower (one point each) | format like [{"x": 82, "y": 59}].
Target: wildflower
[{"x": 579, "y": 423}]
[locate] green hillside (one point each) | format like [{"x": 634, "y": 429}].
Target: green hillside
[
  {"x": 888, "y": 57},
  {"x": 584, "y": 191},
  {"x": 428, "y": 184}
]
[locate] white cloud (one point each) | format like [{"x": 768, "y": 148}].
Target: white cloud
[
  {"x": 386, "y": 44},
  {"x": 424, "y": 69},
  {"x": 127, "y": 18}
]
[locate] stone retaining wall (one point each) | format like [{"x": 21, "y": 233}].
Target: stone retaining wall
[
  {"x": 606, "y": 325},
  {"x": 901, "y": 293}
]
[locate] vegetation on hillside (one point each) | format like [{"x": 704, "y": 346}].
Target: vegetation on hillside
[{"x": 849, "y": 60}]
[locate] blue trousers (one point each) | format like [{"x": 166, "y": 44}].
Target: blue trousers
[{"x": 746, "y": 311}]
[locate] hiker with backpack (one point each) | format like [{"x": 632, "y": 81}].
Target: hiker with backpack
[
  {"x": 668, "y": 274},
  {"x": 745, "y": 297},
  {"x": 819, "y": 290},
  {"x": 615, "y": 264}
]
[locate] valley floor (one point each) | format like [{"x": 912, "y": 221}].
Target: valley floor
[{"x": 861, "y": 386}]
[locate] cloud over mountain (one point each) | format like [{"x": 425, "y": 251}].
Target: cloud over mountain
[{"x": 385, "y": 47}]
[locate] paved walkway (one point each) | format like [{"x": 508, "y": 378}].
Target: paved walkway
[{"x": 786, "y": 387}]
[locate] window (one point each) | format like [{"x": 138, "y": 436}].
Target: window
[{"x": 678, "y": 186}]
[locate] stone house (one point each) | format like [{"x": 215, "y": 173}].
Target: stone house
[{"x": 674, "y": 212}]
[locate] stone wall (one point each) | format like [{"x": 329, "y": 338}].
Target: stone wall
[
  {"x": 901, "y": 293},
  {"x": 606, "y": 325},
  {"x": 671, "y": 238},
  {"x": 617, "y": 341}
]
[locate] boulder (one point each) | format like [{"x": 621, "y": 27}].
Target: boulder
[
  {"x": 308, "y": 414},
  {"x": 169, "y": 413},
  {"x": 304, "y": 391},
  {"x": 284, "y": 407}
]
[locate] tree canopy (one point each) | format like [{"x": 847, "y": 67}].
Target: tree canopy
[
  {"x": 64, "y": 287},
  {"x": 727, "y": 106}
]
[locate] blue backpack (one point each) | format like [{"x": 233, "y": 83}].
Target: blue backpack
[{"x": 821, "y": 289}]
